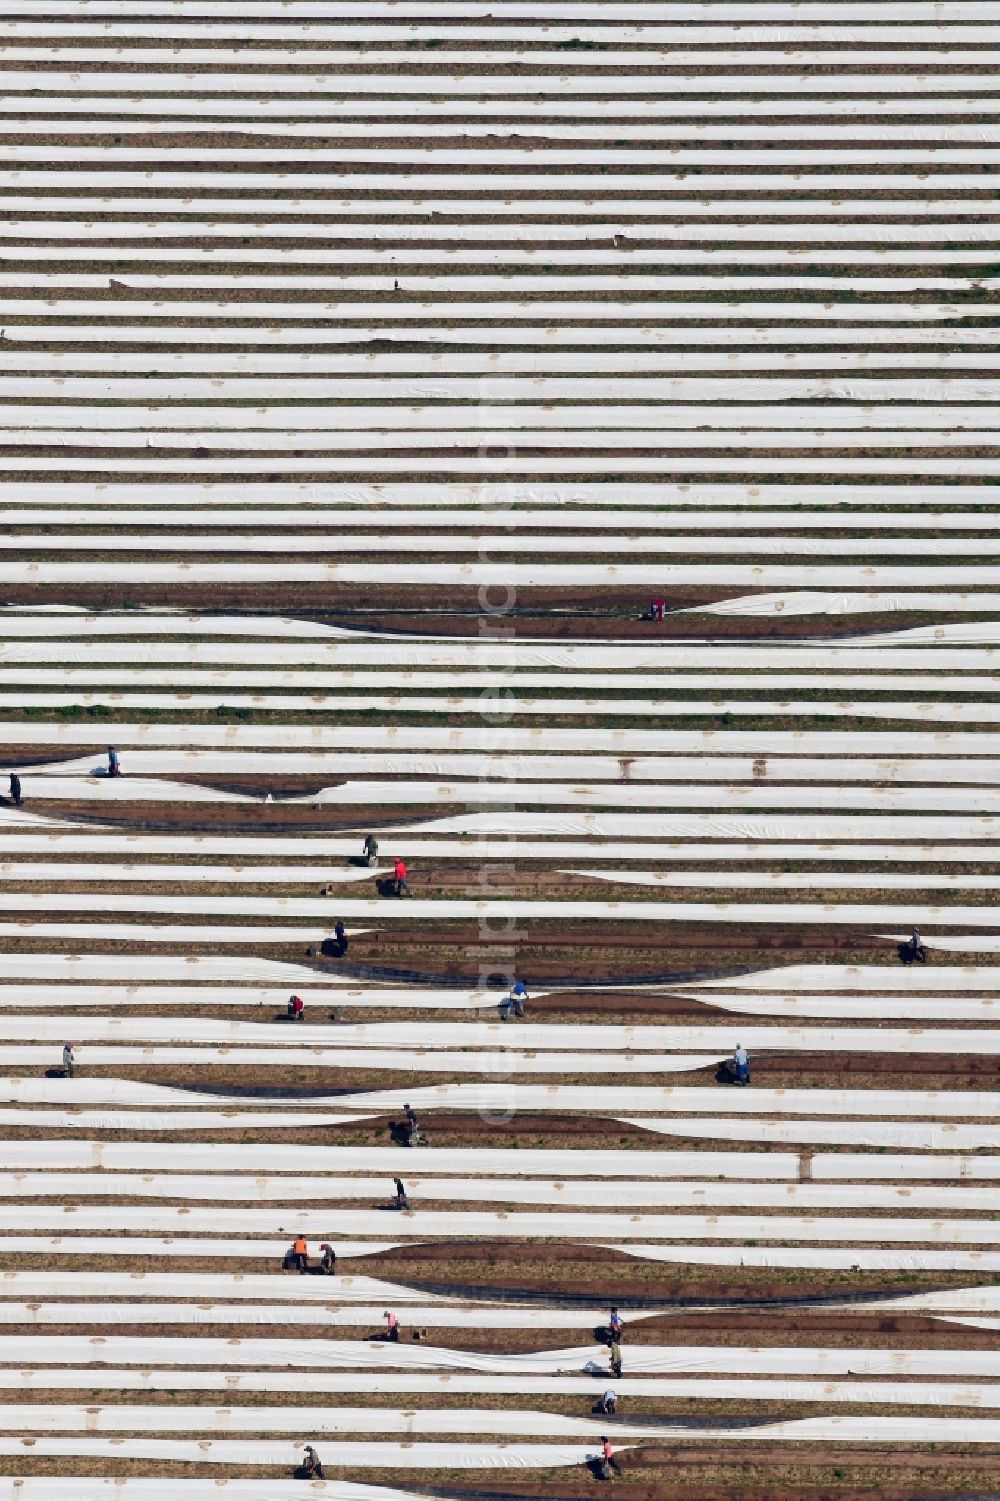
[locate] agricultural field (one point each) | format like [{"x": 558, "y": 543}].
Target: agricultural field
[{"x": 556, "y": 442}]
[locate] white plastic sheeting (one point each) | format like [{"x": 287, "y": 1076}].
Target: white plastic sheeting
[
  {"x": 846, "y": 1258},
  {"x": 531, "y": 53},
  {"x": 494, "y": 784},
  {"x": 562, "y": 120},
  {"x": 167, "y": 1121},
  {"x": 547, "y": 432},
  {"x": 511, "y": 1456},
  {"x": 98, "y": 1091},
  {"x": 327, "y": 1420},
  {"x": 851, "y": 978},
  {"x": 164, "y": 1247},
  {"x": 661, "y": 495},
  {"x": 841, "y": 914},
  {"x": 320, "y": 1354},
  {"x": 641, "y": 15},
  {"x": 846, "y": 337},
  {"x": 139, "y": 789},
  {"x": 959, "y": 1299},
  {"x": 581, "y": 1044},
  {"x": 556, "y": 312},
  {"x": 165, "y": 114},
  {"x": 50, "y": 1419},
  {"x": 616, "y": 1099},
  {"x": 60, "y": 839},
  {"x": 338, "y": 116},
  {"x": 438, "y": 283},
  {"x": 799, "y": 880},
  {"x": 799, "y": 34},
  {"x": 161, "y": 934},
  {"x": 906, "y": 651},
  {"x": 79, "y": 777},
  {"x": 791, "y": 1389},
  {"x": 242, "y": 1286},
  {"x": 585, "y": 1193},
  {"x": 150, "y": 1488},
  {"x": 165, "y": 93},
  {"x": 848, "y": 1165},
  {"x": 599, "y": 255},
  {"x": 919, "y": 1009},
  {"x": 132, "y": 673},
  {"x": 108, "y": 997},
  {"x": 611, "y": 1225},
  {"x": 501, "y": 1061},
  {"x": 451, "y": 425},
  {"x": 159, "y": 1419},
  {"x": 137, "y": 969},
  {"x": 917, "y": 466},
  {"x": 949, "y": 1136},
  {"x": 357, "y": 1453},
  {"x": 949, "y": 632},
  {"x": 79, "y": 625},
  {"x": 966, "y": 944},
  {"x": 473, "y": 1163},
  {"x": 54, "y": 779},
  {"x": 814, "y": 602},
  {"x": 369, "y": 1318},
  {"x": 471, "y": 519}
]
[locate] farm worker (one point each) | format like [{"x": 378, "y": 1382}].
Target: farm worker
[
  {"x": 392, "y": 1327},
  {"x": 296, "y": 1007},
  {"x": 402, "y": 1202},
  {"x": 328, "y": 1263},
  {"x": 114, "y": 766},
  {"x": 371, "y": 849},
  {"x": 69, "y": 1060},
  {"x": 300, "y": 1251},
  {"x": 15, "y": 789},
  {"x": 615, "y": 1324},
  {"x": 741, "y": 1063},
  {"x": 400, "y": 872},
  {"x": 609, "y": 1403},
  {"x": 311, "y": 1464}
]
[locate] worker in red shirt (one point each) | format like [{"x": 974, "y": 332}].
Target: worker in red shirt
[
  {"x": 402, "y": 885},
  {"x": 609, "y": 1465}
]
